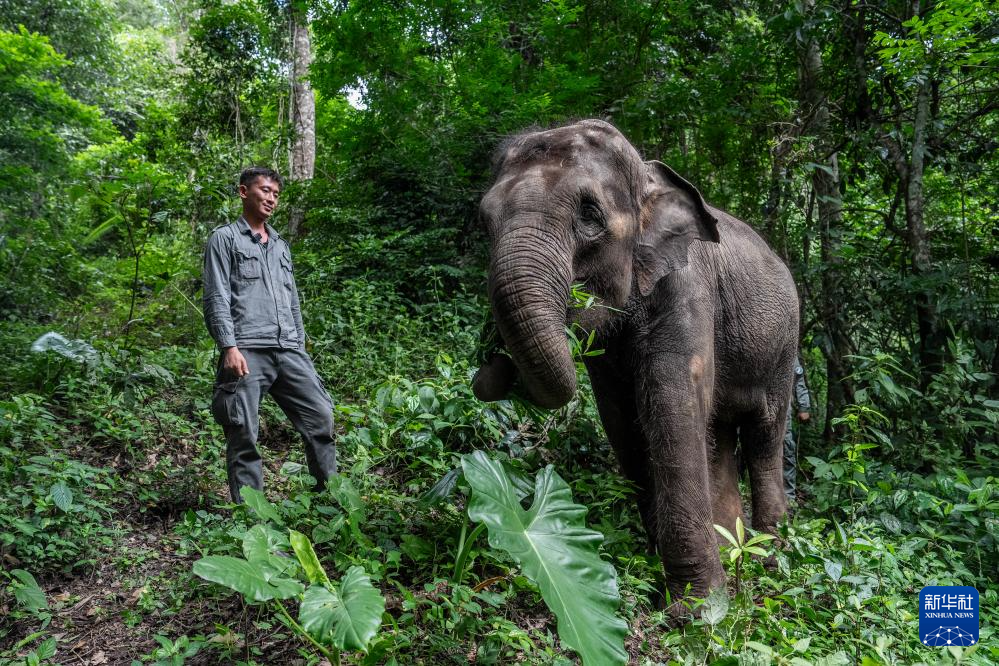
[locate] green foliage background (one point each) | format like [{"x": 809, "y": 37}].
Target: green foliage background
[{"x": 124, "y": 126}]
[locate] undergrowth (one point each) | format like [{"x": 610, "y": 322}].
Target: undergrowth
[{"x": 112, "y": 469}]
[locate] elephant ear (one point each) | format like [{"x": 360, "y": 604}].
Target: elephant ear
[{"x": 673, "y": 216}]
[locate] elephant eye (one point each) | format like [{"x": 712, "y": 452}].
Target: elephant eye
[{"x": 591, "y": 218}]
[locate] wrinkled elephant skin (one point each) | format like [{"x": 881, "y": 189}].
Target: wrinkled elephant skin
[{"x": 697, "y": 316}]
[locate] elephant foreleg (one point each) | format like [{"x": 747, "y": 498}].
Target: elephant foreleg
[
  {"x": 674, "y": 417},
  {"x": 619, "y": 415}
]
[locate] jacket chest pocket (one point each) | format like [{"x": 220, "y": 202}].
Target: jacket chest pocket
[{"x": 247, "y": 266}]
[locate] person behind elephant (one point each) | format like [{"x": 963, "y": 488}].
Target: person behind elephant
[
  {"x": 253, "y": 313},
  {"x": 697, "y": 317},
  {"x": 802, "y": 399}
]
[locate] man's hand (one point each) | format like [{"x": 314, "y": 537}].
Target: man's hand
[
  {"x": 234, "y": 362},
  {"x": 804, "y": 417}
]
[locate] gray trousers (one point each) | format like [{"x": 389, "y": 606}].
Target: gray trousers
[
  {"x": 790, "y": 460},
  {"x": 291, "y": 379}
]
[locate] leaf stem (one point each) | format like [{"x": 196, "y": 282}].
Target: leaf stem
[
  {"x": 466, "y": 547},
  {"x": 333, "y": 656}
]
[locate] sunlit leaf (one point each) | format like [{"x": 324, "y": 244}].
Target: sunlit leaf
[{"x": 555, "y": 550}]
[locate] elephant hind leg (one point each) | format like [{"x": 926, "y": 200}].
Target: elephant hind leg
[
  {"x": 726, "y": 504},
  {"x": 762, "y": 445}
]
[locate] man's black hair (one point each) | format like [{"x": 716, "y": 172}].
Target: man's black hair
[{"x": 250, "y": 175}]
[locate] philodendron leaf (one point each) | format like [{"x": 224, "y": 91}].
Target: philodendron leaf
[
  {"x": 261, "y": 542},
  {"x": 554, "y": 548},
  {"x": 348, "y": 615},
  {"x": 262, "y": 547},
  {"x": 254, "y": 580},
  {"x": 306, "y": 555}
]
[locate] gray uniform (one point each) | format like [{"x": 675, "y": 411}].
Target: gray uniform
[
  {"x": 251, "y": 302},
  {"x": 804, "y": 403}
]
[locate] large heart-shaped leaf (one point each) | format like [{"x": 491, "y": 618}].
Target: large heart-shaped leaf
[
  {"x": 347, "y": 616},
  {"x": 262, "y": 547},
  {"x": 254, "y": 580},
  {"x": 554, "y": 548},
  {"x": 261, "y": 542}
]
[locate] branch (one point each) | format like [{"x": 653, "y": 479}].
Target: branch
[{"x": 993, "y": 105}]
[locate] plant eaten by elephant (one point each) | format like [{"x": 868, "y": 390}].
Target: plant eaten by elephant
[{"x": 700, "y": 330}]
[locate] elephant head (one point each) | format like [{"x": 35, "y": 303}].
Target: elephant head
[{"x": 576, "y": 205}]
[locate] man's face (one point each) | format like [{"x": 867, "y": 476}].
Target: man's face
[{"x": 260, "y": 197}]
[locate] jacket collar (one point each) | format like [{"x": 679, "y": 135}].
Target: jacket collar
[{"x": 244, "y": 228}]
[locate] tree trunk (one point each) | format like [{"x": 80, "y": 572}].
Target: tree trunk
[
  {"x": 303, "y": 105},
  {"x": 826, "y": 184},
  {"x": 932, "y": 341}
]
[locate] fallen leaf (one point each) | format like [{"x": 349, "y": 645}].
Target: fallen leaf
[{"x": 98, "y": 658}]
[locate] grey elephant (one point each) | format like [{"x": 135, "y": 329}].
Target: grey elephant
[{"x": 699, "y": 329}]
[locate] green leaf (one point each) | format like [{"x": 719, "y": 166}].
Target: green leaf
[
  {"x": 261, "y": 543},
  {"x": 254, "y": 580},
  {"x": 348, "y": 615},
  {"x": 28, "y": 593},
  {"x": 740, "y": 530},
  {"x": 554, "y": 548},
  {"x": 260, "y": 504},
  {"x": 102, "y": 228},
  {"x": 833, "y": 569},
  {"x": 760, "y": 647},
  {"x": 306, "y": 555},
  {"x": 760, "y": 538},
  {"x": 62, "y": 496},
  {"x": 47, "y": 649},
  {"x": 802, "y": 645},
  {"x": 715, "y": 607},
  {"x": 728, "y": 535},
  {"x": 442, "y": 489},
  {"x": 428, "y": 400}
]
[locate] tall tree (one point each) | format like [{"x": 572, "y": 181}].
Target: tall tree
[
  {"x": 925, "y": 49},
  {"x": 303, "y": 104},
  {"x": 815, "y": 121}
]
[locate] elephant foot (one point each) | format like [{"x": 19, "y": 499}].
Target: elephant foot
[
  {"x": 678, "y": 614},
  {"x": 680, "y": 608}
]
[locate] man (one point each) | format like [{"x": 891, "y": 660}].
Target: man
[
  {"x": 804, "y": 402},
  {"x": 253, "y": 313}
]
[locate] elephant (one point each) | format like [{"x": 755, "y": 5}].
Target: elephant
[{"x": 698, "y": 320}]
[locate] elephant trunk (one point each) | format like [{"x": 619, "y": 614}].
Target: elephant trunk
[{"x": 529, "y": 288}]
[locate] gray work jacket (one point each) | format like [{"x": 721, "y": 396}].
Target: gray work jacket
[{"x": 250, "y": 298}]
